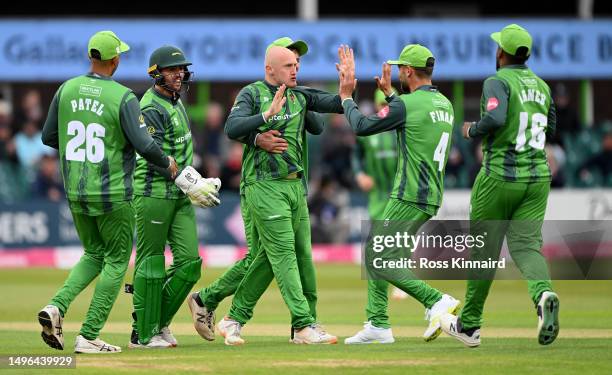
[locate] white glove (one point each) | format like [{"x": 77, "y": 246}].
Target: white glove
[
  {"x": 215, "y": 181},
  {"x": 187, "y": 179},
  {"x": 205, "y": 194},
  {"x": 202, "y": 192}
]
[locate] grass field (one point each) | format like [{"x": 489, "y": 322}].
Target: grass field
[{"x": 508, "y": 346}]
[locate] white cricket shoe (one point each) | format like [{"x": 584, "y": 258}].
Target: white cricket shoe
[
  {"x": 168, "y": 337},
  {"x": 97, "y": 346},
  {"x": 451, "y": 325},
  {"x": 313, "y": 334},
  {"x": 548, "y": 318},
  {"x": 230, "y": 330},
  {"x": 371, "y": 335},
  {"x": 203, "y": 320},
  {"x": 446, "y": 305},
  {"x": 51, "y": 321},
  {"x": 156, "y": 342}
]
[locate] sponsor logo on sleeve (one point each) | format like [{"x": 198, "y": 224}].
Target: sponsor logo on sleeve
[
  {"x": 492, "y": 103},
  {"x": 383, "y": 112}
]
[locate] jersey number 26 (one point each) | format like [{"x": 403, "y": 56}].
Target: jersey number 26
[{"x": 91, "y": 135}]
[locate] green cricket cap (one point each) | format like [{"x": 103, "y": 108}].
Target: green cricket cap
[
  {"x": 414, "y": 55},
  {"x": 511, "y": 38},
  {"x": 108, "y": 44},
  {"x": 299, "y": 45}
]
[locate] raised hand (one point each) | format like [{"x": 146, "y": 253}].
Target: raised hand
[
  {"x": 277, "y": 103},
  {"x": 346, "y": 72},
  {"x": 271, "y": 141},
  {"x": 384, "y": 81}
]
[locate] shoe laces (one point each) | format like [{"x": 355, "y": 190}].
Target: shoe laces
[
  {"x": 209, "y": 316},
  {"x": 318, "y": 328},
  {"x": 234, "y": 328},
  {"x": 166, "y": 331}
]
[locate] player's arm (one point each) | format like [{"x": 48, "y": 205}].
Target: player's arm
[
  {"x": 243, "y": 120},
  {"x": 319, "y": 100},
  {"x": 50, "y": 135},
  {"x": 136, "y": 133},
  {"x": 495, "y": 97},
  {"x": 391, "y": 117},
  {"x": 314, "y": 122},
  {"x": 271, "y": 141}
]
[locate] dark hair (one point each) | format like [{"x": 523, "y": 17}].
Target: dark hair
[
  {"x": 519, "y": 58},
  {"x": 427, "y": 71},
  {"x": 95, "y": 54}
]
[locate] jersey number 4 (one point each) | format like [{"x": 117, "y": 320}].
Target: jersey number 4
[
  {"x": 91, "y": 135},
  {"x": 538, "y": 137},
  {"x": 440, "y": 153}
]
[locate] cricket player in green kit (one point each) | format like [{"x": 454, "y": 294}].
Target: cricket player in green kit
[
  {"x": 97, "y": 126},
  {"x": 274, "y": 191},
  {"x": 374, "y": 164},
  {"x": 423, "y": 122},
  {"x": 204, "y": 303},
  {"x": 517, "y": 111},
  {"x": 164, "y": 213}
]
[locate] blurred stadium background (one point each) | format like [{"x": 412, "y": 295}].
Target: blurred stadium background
[{"x": 41, "y": 48}]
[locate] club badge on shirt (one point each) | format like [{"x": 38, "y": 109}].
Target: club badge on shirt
[
  {"x": 383, "y": 112},
  {"x": 492, "y": 103}
]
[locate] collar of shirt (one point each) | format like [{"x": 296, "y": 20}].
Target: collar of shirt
[
  {"x": 270, "y": 86},
  {"x": 514, "y": 66},
  {"x": 98, "y": 76},
  {"x": 172, "y": 100},
  {"x": 427, "y": 88}
]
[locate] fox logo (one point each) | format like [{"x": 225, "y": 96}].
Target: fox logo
[
  {"x": 190, "y": 178},
  {"x": 492, "y": 103},
  {"x": 383, "y": 112}
]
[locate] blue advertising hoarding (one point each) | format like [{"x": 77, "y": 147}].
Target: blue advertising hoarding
[{"x": 233, "y": 50}]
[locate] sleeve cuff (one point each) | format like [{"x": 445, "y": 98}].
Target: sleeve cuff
[
  {"x": 345, "y": 99},
  {"x": 471, "y": 129}
]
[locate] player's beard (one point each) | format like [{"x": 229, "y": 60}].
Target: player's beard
[{"x": 404, "y": 86}]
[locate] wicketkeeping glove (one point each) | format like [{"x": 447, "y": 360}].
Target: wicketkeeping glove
[{"x": 203, "y": 192}]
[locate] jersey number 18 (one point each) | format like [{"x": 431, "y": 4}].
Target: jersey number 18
[{"x": 538, "y": 137}]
